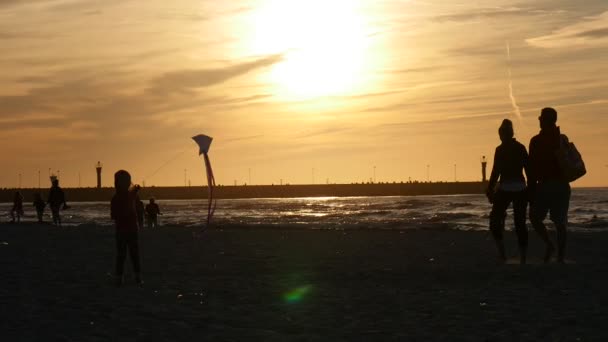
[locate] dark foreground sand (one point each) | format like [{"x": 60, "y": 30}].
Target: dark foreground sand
[{"x": 231, "y": 285}]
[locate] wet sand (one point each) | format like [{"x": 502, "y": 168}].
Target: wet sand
[{"x": 273, "y": 285}]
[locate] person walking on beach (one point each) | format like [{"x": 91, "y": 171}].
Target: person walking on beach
[
  {"x": 550, "y": 191},
  {"x": 139, "y": 208},
  {"x": 17, "y": 209},
  {"x": 152, "y": 212},
  {"x": 39, "y": 204},
  {"x": 507, "y": 185},
  {"x": 124, "y": 214},
  {"x": 56, "y": 201}
]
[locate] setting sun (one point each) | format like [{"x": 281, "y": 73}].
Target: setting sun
[{"x": 323, "y": 44}]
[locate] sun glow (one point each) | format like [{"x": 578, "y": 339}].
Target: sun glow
[{"x": 323, "y": 43}]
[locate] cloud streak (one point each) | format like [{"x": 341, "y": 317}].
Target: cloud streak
[
  {"x": 186, "y": 80},
  {"x": 490, "y": 13},
  {"x": 516, "y": 110},
  {"x": 59, "y": 99},
  {"x": 591, "y": 32}
]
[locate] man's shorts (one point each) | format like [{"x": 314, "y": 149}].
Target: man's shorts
[{"x": 551, "y": 197}]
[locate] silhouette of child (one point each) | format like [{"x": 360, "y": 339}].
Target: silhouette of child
[
  {"x": 152, "y": 212},
  {"x": 124, "y": 214},
  {"x": 17, "y": 210},
  {"x": 39, "y": 205}
]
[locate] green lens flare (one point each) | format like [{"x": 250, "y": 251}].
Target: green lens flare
[{"x": 296, "y": 295}]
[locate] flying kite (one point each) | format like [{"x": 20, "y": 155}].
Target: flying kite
[{"x": 204, "y": 143}]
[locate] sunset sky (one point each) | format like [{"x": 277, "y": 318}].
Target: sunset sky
[{"x": 285, "y": 86}]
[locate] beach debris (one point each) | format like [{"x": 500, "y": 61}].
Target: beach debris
[
  {"x": 482, "y": 304},
  {"x": 179, "y": 296},
  {"x": 5, "y": 243},
  {"x": 431, "y": 259},
  {"x": 204, "y": 143}
]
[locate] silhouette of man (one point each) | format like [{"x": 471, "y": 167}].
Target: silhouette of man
[
  {"x": 549, "y": 191},
  {"x": 152, "y": 212},
  {"x": 510, "y": 160},
  {"x": 124, "y": 214},
  {"x": 56, "y": 201}
]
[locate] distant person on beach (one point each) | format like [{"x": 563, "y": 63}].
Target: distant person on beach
[
  {"x": 124, "y": 214},
  {"x": 550, "y": 192},
  {"x": 17, "y": 209},
  {"x": 139, "y": 209},
  {"x": 152, "y": 212},
  {"x": 39, "y": 204},
  {"x": 56, "y": 201},
  {"x": 507, "y": 185}
]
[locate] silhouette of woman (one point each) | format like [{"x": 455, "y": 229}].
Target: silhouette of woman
[{"x": 507, "y": 185}]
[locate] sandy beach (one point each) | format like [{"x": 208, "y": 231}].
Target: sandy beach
[{"x": 297, "y": 285}]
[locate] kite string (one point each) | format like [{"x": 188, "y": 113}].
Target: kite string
[
  {"x": 165, "y": 164},
  {"x": 211, "y": 184}
]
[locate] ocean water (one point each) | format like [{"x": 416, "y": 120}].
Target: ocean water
[{"x": 588, "y": 212}]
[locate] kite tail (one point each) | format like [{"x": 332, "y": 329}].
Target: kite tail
[{"x": 212, "y": 203}]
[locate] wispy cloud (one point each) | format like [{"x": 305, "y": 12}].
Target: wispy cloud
[
  {"x": 251, "y": 137},
  {"x": 185, "y": 80},
  {"x": 510, "y": 81},
  {"x": 322, "y": 131},
  {"x": 490, "y": 13},
  {"x": 20, "y": 35},
  {"x": 109, "y": 101},
  {"x": 86, "y": 7},
  {"x": 474, "y": 50},
  {"x": 8, "y": 3},
  {"x": 591, "y": 32},
  {"x": 463, "y": 118}
]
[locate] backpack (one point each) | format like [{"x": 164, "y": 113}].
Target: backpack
[{"x": 570, "y": 160}]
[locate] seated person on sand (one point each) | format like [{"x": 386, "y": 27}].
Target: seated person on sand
[
  {"x": 17, "y": 209},
  {"x": 39, "y": 204},
  {"x": 507, "y": 185},
  {"x": 152, "y": 212}
]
